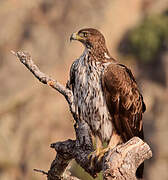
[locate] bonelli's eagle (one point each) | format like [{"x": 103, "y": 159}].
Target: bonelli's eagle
[{"x": 106, "y": 95}]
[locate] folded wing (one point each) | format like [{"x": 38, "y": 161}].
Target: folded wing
[{"x": 124, "y": 101}]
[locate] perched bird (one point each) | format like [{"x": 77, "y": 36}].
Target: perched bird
[{"x": 106, "y": 95}]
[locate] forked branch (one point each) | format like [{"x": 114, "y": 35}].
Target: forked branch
[{"x": 119, "y": 163}]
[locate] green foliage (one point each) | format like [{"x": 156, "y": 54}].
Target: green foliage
[
  {"x": 149, "y": 39},
  {"x": 80, "y": 173}
]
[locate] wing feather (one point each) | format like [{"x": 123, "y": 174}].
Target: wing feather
[{"x": 124, "y": 101}]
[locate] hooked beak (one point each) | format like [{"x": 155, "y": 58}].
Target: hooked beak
[{"x": 75, "y": 36}]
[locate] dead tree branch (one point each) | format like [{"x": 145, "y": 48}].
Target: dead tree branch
[{"x": 120, "y": 163}]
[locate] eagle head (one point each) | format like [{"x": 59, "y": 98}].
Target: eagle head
[{"x": 89, "y": 37}]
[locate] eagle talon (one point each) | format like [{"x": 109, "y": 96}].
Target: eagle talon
[
  {"x": 102, "y": 153},
  {"x": 97, "y": 155}
]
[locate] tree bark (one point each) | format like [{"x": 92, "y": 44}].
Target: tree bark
[{"x": 119, "y": 163}]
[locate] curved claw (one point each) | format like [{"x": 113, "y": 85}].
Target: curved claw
[{"x": 97, "y": 155}]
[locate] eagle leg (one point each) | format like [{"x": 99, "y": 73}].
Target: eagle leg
[
  {"x": 98, "y": 154},
  {"x": 102, "y": 153},
  {"x": 95, "y": 154}
]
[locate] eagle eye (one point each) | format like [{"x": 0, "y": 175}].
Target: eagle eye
[{"x": 83, "y": 34}]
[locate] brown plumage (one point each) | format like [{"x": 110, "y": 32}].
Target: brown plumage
[
  {"x": 124, "y": 101},
  {"x": 105, "y": 92}
]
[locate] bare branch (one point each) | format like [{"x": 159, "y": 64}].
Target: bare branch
[
  {"x": 26, "y": 59},
  {"x": 120, "y": 162},
  {"x": 79, "y": 149},
  {"x": 41, "y": 171}
]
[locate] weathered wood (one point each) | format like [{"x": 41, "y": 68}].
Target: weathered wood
[{"x": 120, "y": 162}]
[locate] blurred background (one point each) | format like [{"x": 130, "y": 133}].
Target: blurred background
[{"x": 32, "y": 115}]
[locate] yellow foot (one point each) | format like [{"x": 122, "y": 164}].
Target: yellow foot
[
  {"x": 97, "y": 155},
  {"x": 102, "y": 153}
]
